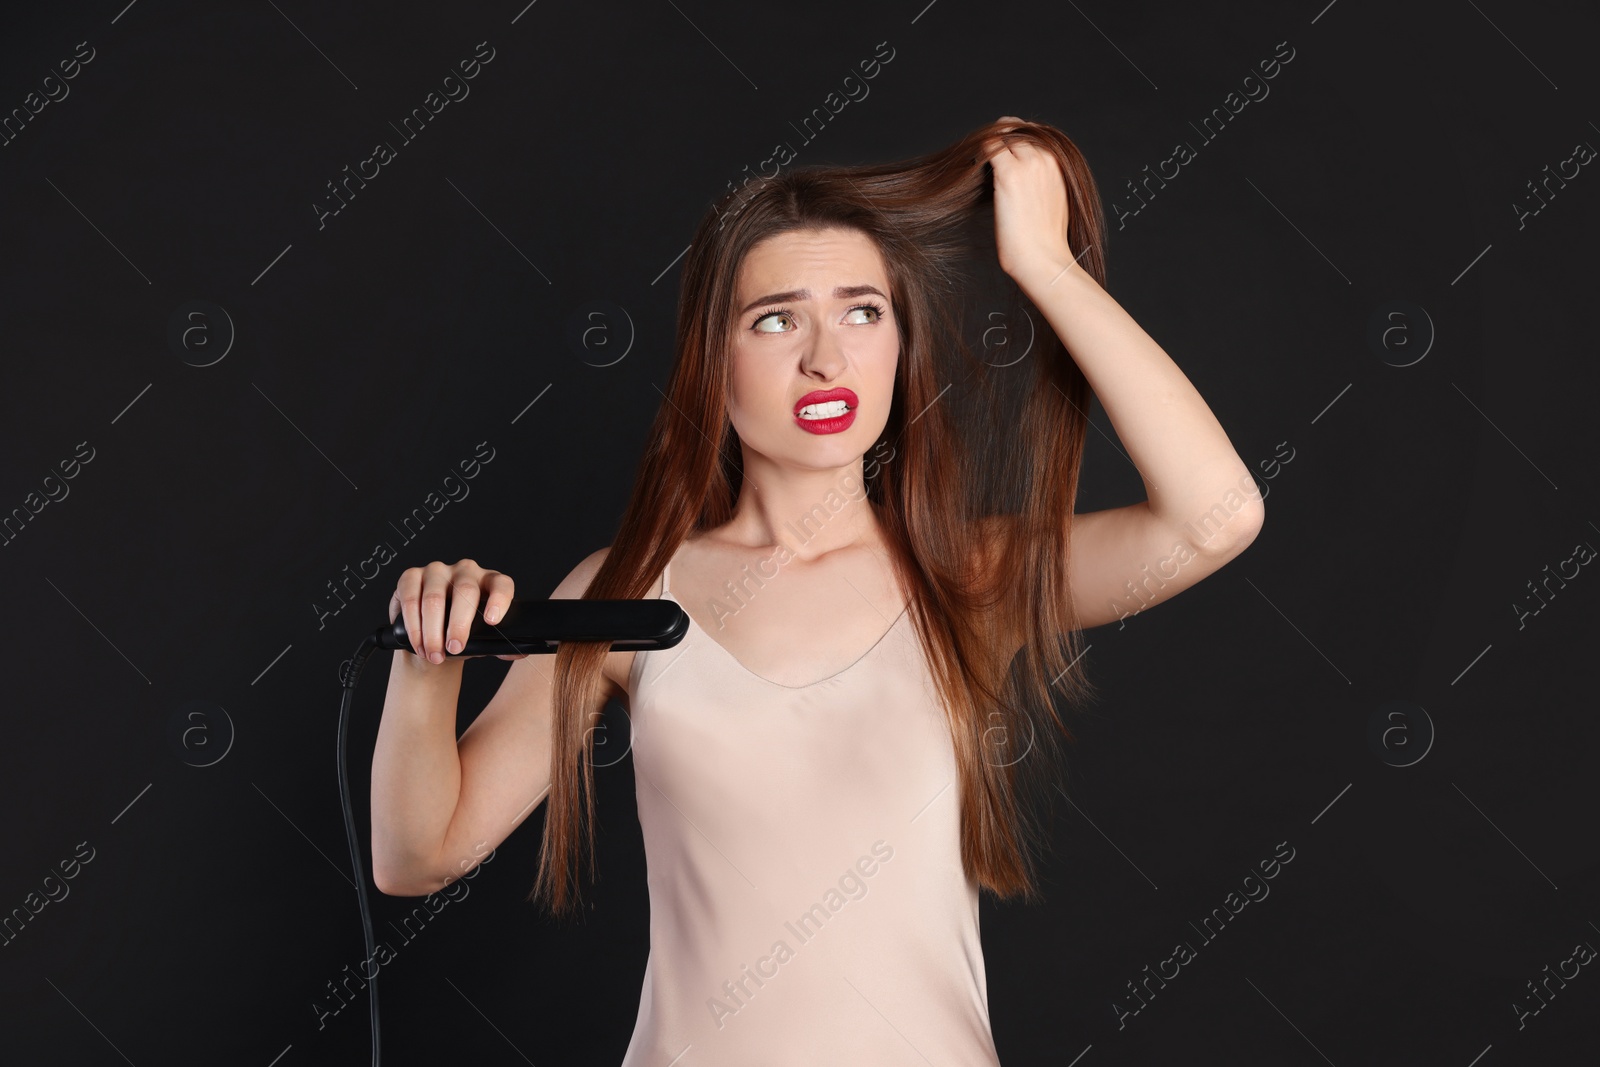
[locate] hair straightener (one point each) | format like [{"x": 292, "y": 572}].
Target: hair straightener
[{"x": 529, "y": 626}]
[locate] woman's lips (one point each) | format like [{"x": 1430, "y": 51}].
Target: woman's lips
[
  {"x": 822, "y": 396},
  {"x": 832, "y": 424}
]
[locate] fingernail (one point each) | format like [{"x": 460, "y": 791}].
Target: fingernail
[
  {"x": 492, "y": 615},
  {"x": 455, "y": 646}
]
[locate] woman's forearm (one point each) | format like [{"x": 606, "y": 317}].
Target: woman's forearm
[{"x": 416, "y": 771}]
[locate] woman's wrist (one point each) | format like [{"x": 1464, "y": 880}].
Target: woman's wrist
[{"x": 421, "y": 667}]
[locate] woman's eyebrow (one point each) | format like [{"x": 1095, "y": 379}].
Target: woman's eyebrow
[{"x": 842, "y": 292}]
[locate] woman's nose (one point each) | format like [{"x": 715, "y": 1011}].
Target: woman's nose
[{"x": 825, "y": 356}]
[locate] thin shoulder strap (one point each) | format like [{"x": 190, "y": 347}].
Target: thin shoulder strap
[{"x": 666, "y": 570}]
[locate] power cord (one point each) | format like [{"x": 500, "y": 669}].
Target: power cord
[{"x": 351, "y": 675}]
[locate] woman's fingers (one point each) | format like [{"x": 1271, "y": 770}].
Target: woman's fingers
[
  {"x": 464, "y": 596},
  {"x": 440, "y": 602},
  {"x": 500, "y": 589},
  {"x": 408, "y": 591}
]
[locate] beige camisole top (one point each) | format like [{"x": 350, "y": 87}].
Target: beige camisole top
[{"x": 807, "y": 900}]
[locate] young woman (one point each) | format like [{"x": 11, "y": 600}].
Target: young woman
[{"x": 871, "y": 528}]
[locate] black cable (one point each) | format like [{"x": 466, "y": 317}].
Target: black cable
[{"x": 351, "y": 674}]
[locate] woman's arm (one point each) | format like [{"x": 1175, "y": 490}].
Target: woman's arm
[{"x": 1203, "y": 507}]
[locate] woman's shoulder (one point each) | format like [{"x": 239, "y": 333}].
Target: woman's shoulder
[
  {"x": 582, "y": 576},
  {"x": 577, "y": 581}
]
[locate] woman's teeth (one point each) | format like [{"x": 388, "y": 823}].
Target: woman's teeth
[{"x": 831, "y": 410}]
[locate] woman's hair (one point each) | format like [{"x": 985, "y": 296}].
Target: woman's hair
[{"x": 979, "y": 461}]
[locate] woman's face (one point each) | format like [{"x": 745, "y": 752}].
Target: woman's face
[{"x": 813, "y": 318}]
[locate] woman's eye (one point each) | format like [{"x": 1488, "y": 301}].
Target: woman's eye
[
  {"x": 771, "y": 315},
  {"x": 865, "y": 309}
]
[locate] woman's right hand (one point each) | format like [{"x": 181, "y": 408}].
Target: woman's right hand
[{"x": 440, "y": 601}]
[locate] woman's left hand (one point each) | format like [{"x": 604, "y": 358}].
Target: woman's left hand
[{"x": 1030, "y": 207}]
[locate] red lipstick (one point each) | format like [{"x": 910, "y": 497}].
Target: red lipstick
[{"x": 832, "y": 420}]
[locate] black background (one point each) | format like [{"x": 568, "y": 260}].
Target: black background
[{"x": 444, "y": 306}]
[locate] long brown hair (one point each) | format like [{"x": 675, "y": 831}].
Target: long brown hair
[{"x": 956, "y": 456}]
